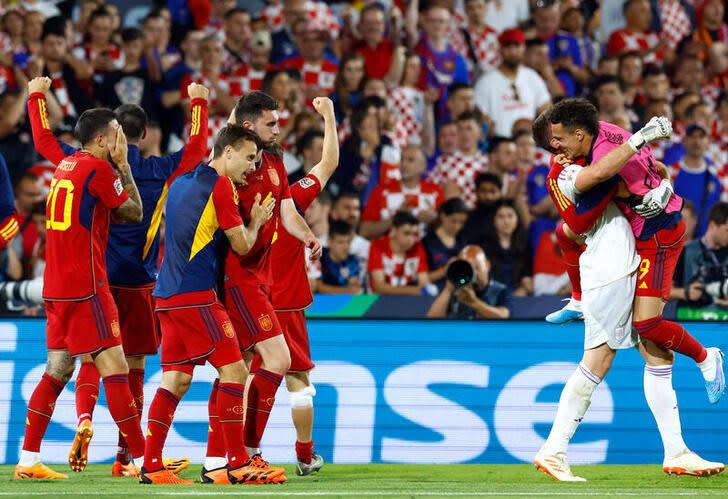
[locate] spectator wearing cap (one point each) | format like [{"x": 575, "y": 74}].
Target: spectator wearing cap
[
  {"x": 636, "y": 35},
  {"x": 442, "y": 65},
  {"x": 249, "y": 77},
  {"x": 512, "y": 91},
  {"x": 695, "y": 175},
  {"x": 318, "y": 69},
  {"x": 484, "y": 298},
  {"x": 237, "y": 38},
  {"x": 420, "y": 197}
]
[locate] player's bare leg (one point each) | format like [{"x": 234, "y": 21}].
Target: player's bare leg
[
  {"x": 302, "y": 393},
  {"x": 573, "y": 404},
  {"x": 650, "y": 325},
  {"x": 59, "y": 370},
  {"x": 662, "y": 400},
  {"x": 87, "y": 393}
]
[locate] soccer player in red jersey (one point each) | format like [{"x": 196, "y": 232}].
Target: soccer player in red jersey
[
  {"x": 82, "y": 317},
  {"x": 9, "y": 226},
  {"x": 292, "y": 294},
  {"x": 202, "y": 213},
  {"x": 248, "y": 286},
  {"x": 132, "y": 256}
]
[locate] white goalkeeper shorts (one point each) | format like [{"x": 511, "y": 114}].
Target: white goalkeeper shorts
[{"x": 608, "y": 314}]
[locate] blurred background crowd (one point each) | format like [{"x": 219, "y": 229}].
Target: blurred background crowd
[{"x": 434, "y": 101}]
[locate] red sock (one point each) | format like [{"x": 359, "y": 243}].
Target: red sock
[
  {"x": 136, "y": 385},
  {"x": 124, "y": 411},
  {"x": 87, "y": 390},
  {"x": 261, "y": 396},
  {"x": 570, "y": 251},
  {"x": 215, "y": 438},
  {"x": 304, "y": 451},
  {"x": 672, "y": 336},
  {"x": 161, "y": 413},
  {"x": 40, "y": 410},
  {"x": 230, "y": 412}
]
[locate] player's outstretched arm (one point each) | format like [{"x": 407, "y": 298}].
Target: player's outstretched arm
[
  {"x": 612, "y": 162},
  {"x": 330, "y": 157},
  {"x": 43, "y": 139},
  {"x": 195, "y": 150},
  {"x": 242, "y": 238},
  {"x": 131, "y": 209},
  {"x": 296, "y": 226}
]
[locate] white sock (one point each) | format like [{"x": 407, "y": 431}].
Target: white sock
[
  {"x": 212, "y": 463},
  {"x": 252, "y": 450},
  {"x": 28, "y": 458},
  {"x": 138, "y": 461},
  {"x": 663, "y": 403},
  {"x": 575, "y": 400},
  {"x": 707, "y": 367}
]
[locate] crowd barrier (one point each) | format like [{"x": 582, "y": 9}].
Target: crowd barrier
[{"x": 408, "y": 392}]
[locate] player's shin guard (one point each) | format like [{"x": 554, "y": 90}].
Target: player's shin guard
[
  {"x": 40, "y": 410},
  {"x": 215, "y": 439},
  {"x": 231, "y": 414},
  {"x": 570, "y": 251},
  {"x": 161, "y": 413},
  {"x": 261, "y": 396},
  {"x": 136, "y": 385},
  {"x": 87, "y": 390},
  {"x": 124, "y": 412},
  {"x": 573, "y": 404},
  {"x": 662, "y": 400},
  {"x": 672, "y": 336}
]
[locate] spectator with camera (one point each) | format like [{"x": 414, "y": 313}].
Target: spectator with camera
[
  {"x": 469, "y": 293},
  {"x": 702, "y": 272}
]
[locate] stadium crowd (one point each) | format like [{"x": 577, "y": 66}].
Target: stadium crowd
[{"x": 434, "y": 103}]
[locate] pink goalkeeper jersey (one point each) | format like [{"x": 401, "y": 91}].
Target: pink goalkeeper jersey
[{"x": 639, "y": 174}]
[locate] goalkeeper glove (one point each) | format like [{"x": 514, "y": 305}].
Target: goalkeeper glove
[
  {"x": 655, "y": 201},
  {"x": 655, "y": 129}
]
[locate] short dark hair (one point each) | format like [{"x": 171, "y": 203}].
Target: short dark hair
[
  {"x": 235, "y": 10},
  {"x": 542, "y": 131},
  {"x": 607, "y": 80},
  {"x": 495, "y": 142},
  {"x": 55, "y": 25},
  {"x": 653, "y": 70},
  {"x": 99, "y": 12},
  {"x": 718, "y": 213},
  {"x": 575, "y": 113},
  {"x": 307, "y": 139},
  {"x": 346, "y": 195},
  {"x": 133, "y": 120},
  {"x": 452, "y": 206},
  {"x": 360, "y": 110},
  {"x": 91, "y": 123},
  {"x": 404, "y": 217},
  {"x": 535, "y": 42},
  {"x": 469, "y": 115},
  {"x": 25, "y": 176},
  {"x": 456, "y": 87},
  {"x": 488, "y": 178},
  {"x": 250, "y": 106},
  {"x": 690, "y": 110},
  {"x": 131, "y": 34},
  {"x": 520, "y": 133},
  {"x": 269, "y": 77},
  {"x": 340, "y": 228},
  {"x": 233, "y": 135}
]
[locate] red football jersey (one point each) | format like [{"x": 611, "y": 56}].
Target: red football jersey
[
  {"x": 398, "y": 270},
  {"x": 83, "y": 192},
  {"x": 269, "y": 178},
  {"x": 291, "y": 290}
]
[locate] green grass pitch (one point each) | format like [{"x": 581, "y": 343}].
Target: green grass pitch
[{"x": 390, "y": 480}]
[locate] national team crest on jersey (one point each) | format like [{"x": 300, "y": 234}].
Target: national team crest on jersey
[
  {"x": 115, "y": 329},
  {"x": 273, "y": 175},
  {"x": 227, "y": 327},
  {"x": 306, "y": 182},
  {"x": 265, "y": 322}
]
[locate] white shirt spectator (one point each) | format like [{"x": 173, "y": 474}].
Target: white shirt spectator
[
  {"x": 504, "y": 14},
  {"x": 505, "y": 101}
]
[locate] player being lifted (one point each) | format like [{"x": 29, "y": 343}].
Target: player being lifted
[
  {"x": 202, "y": 212},
  {"x": 85, "y": 192},
  {"x": 248, "y": 287},
  {"x": 132, "y": 257},
  {"x": 659, "y": 234},
  {"x": 608, "y": 277}
]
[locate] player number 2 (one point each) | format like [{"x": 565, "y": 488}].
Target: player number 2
[{"x": 60, "y": 185}]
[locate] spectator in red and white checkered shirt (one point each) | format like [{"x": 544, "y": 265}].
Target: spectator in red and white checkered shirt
[
  {"x": 675, "y": 22},
  {"x": 103, "y": 55},
  {"x": 420, "y": 197},
  {"x": 249, "y": 77},
  {"x": 636, "y": 36},
  {"x": 476, "y": 41}
]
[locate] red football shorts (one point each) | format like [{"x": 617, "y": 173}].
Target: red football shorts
[
  {"x": 293, "y": 323},
  {"x": 139, "y": 324},
  {"x": 193, "y": 335},
  {"x": 252, "y": 314},
  {"x": 659, "y": 255},
  {"x": 85, "y": 326}
]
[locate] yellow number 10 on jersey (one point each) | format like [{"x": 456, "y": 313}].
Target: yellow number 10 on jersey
[{"x": 57, "y": 185}]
